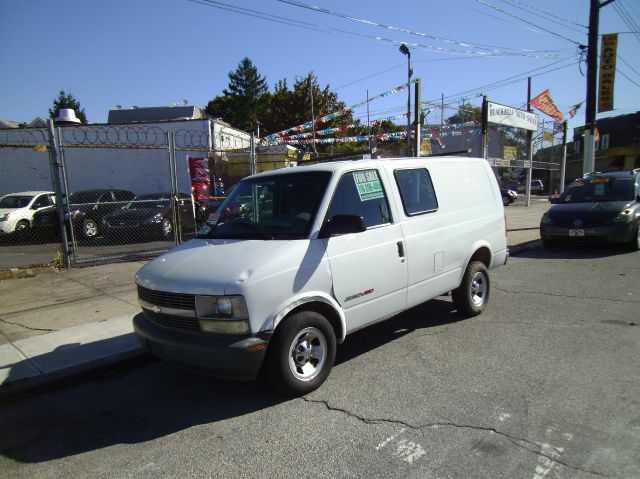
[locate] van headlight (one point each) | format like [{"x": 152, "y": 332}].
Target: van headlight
[{"x": 222, "y": 314}]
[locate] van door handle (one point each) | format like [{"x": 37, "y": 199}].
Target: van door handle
[{"x": 400, "y": 249}]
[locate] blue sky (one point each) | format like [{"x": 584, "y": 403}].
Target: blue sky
[{"x": 159, "y": 52}]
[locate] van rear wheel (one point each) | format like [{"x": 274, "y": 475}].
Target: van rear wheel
[
  {"x": 471, "y": 297},
  {"x": 301, "y": 354}
]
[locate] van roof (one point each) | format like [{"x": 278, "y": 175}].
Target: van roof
[{"x": 333, "y": 166}]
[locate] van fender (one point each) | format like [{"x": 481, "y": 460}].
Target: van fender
[
  {"x": 485, "y": 258},
  {"x": 308, "y": 297}
]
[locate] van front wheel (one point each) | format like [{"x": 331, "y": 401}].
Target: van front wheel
[
  {"x": 472, "y": 295},
  {"x": 301, "y": 354}
]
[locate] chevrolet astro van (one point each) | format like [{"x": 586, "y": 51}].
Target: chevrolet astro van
[{"x": 294, "y": 260}]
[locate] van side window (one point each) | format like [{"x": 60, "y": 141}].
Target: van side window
[
  {"x": 416, "y": 191},
  {"x": 361, "y": 193}
]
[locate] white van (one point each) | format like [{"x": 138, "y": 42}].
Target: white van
[{"x": 296, "y": 259}]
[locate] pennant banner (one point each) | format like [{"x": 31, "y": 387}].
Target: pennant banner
[
  {"x": 544, "y": 103},
  {"x": 324, "y": 119},
  {"x": 575, "y": 109}
]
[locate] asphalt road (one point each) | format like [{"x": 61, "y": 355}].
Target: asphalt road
[{"x": 545, "y": 384}]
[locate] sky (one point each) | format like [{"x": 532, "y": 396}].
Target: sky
[{"x": 161, "y": 52}]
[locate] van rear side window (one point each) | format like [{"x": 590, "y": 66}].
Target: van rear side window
[{"x": 416, "y": 190}]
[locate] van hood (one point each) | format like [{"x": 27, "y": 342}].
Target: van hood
[{"x": 207, "y": 266}]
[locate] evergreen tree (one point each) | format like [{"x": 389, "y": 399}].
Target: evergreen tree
[
  {"x": 245, "y": 100},
  {"x": 67, "y": 100}
]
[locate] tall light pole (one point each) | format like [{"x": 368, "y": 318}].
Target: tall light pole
[{"x": 404, "y": 49}]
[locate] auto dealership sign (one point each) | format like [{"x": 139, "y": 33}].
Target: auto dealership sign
[{"x": 507, "y": 116}]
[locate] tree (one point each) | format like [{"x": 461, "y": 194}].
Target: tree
[
  {"x": 293, "y": 107},
  {"x": 246, "y": 99},
  {"x": 67, "y": 100},
  {"x": 466, "y": 112}
]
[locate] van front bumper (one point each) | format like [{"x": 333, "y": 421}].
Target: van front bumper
[{"x": 228, "y": 357}]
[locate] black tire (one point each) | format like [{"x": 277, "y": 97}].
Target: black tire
[
  {"x": 300, "y": 355},
  {"x": 89, "y": 228},
  {"x": 506, "y": 201},
  {"x": 22, "y": 226},
  {"x": 471, "y": 297}
]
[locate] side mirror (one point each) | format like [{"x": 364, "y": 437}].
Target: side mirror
[{"x": 342, "y": 225}]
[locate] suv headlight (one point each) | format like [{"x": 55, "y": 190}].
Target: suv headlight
[
  {"x": 624, "y": 216},
  {"x": 222, "y": 314},
  {"x": 4, "y": 217},
  {"x": 546, "y": 220}
]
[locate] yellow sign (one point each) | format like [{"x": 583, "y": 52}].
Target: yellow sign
[
  {"x": 608, "y": 53},
  {"x": 547, "y": 136},
  {"x": 509, "y": 152},
  {"x": 425, "y": 147}
]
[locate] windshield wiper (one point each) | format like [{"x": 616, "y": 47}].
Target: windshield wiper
[{"x": 251, "y": 231}]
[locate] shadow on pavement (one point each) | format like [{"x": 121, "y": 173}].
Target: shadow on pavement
[
  {"x": 154, "y": 400},
  {"x": 574, "y": 251}
]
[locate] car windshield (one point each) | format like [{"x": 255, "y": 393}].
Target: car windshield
[
  {"x": 599, "y": 189},
  {"x": 270, "y": 207},
  {"x": 15, "y": 201},
  {"x": 84, "y": 197},
  {"x": 155, "y": 201}
]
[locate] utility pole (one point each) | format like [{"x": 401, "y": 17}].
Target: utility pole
[
  {"x": 592, "y": 86},
  {"x": 529, "y": 150},
  {"x": 417, "y": 116}
]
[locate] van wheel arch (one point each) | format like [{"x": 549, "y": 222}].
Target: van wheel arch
[
  {"x": 319, "y": 307},
  {"x": 483, "y": 255}
]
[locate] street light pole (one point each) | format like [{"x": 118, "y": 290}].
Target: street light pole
[{"x": 404, "y": 49}]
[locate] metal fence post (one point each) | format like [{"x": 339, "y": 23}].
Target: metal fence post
[
  {"x": 61, "y": 199},
  {"x": 253, "y": 160}
]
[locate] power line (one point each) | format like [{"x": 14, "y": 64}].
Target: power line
[
  {"x": 314, "y": 8},
  {"x": 330, "y": 30},
  {"x": 528, "y": 22},
  {"x": 524, "y": 6},
  {"x": 627, "y": 19},
  {"x": 510, "y": 80}
]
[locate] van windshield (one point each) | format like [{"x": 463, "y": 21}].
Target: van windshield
[
  {"x": 590, "y": 190},
  {"x": 271, "y": 207}
]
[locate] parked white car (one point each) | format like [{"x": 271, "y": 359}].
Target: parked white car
[
  {"x": 17, "y": 209},
  {"x": 296, "y": 259}
]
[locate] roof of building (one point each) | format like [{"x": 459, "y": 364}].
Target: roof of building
[{"x": 155, "y": 113}]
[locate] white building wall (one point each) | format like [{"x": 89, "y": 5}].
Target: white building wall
[{"x": 128, "y": 156}]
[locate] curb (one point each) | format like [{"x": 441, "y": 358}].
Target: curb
[
  {"x": 526, "y": 246},
  {"x": 15, "y": 390}
]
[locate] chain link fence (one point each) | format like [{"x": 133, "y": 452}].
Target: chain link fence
[{"x": 126, "y": 190}]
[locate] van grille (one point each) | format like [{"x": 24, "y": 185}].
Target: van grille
[
  {"x": 169, "y": 321},
  {"x": 167, "y": 300}
]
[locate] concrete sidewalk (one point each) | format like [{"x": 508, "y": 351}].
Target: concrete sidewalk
[{"x": 53, "y": 326}]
